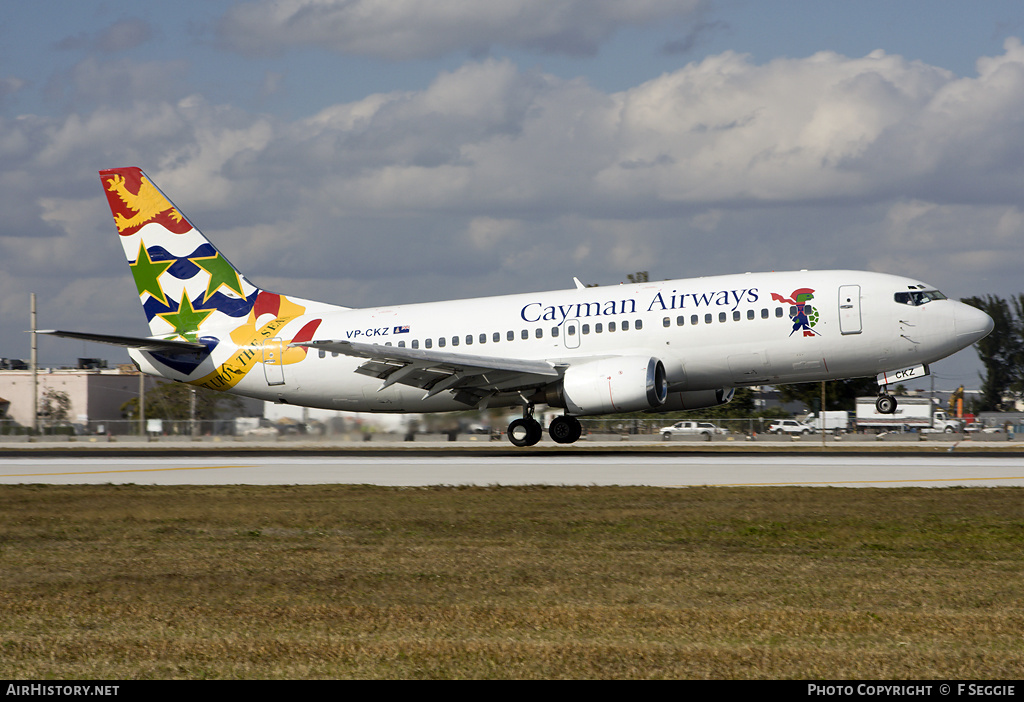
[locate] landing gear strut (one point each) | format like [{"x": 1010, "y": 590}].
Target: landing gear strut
[{"x": 526, "y": 431}]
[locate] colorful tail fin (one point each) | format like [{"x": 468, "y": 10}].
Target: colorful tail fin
[{"x": 184, "y": 283}]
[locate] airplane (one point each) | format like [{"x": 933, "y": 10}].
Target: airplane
[{"x": 651, "y": 346}]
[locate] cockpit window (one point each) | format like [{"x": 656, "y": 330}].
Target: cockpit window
[{"x": 918, "y": 297}]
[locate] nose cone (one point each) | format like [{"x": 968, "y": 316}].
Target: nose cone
[{"x": 971, "y": 324}]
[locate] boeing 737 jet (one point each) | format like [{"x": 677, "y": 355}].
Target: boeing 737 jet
[{"x": 653, "y": 346}]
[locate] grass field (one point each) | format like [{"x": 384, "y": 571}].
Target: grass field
[{"x": 124, "y": 582}]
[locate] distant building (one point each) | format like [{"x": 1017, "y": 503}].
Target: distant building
[{"x": 96, "y": 393}]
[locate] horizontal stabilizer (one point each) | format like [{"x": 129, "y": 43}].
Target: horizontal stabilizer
[{"x": 132, "y": 342}]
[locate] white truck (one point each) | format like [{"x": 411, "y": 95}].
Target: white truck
[
  {"x": 835, "y": 421},
  {"x": 911, "y": 412}
]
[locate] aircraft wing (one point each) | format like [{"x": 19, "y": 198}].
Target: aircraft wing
[
  {"x": 132, "y": 342},
  {"x": 474, "y": 379}
]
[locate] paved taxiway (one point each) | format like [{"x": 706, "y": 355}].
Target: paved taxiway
[{"x": 884, "y": 470}]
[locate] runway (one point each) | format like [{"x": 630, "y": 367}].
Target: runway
[{"x": 945, "y": 470}]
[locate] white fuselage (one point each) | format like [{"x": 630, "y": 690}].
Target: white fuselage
[{"x": 713, "y": 332}]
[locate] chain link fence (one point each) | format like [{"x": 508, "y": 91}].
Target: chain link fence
[{"x": 740, "y": 426}]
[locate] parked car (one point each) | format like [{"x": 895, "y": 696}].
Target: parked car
[
  {"x": 979, "y": 428},
  {"x": 789, "y": 426},
  {"x": 703, "y": 428}
]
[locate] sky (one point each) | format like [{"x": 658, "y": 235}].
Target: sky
[{"x": 368, "y": 152}]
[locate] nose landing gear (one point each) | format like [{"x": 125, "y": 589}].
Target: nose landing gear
[{"x": 886, "y": 403}]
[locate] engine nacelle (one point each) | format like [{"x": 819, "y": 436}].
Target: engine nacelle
[
  {"x": 695, "y": 399},
  {"x": 621, "y": 384}
]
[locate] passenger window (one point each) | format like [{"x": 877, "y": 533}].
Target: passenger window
[
  {"x": 764, "y": 313},
  {"x": 441, "y": 342},
  {"x": 428, "y": 343},
  {"x": 572, "y": 331},
  {"x": 694, "y": 319},
  {"x": 525, "y": 334},
  {"x": 598, "y": 328},
  {"x": 750, "y": 314},
  {"x": 639, "y": 324},
  {"x": 667, "y": 322},
  {"x": 625, "y": 325},
  {"x": 483, "y": 339},
  {"x": 401, "y": 344},
  {"x": 611, "y": 326},
  {"x": 707, "y": 318},
  {"x": 586, "y": 329},
  {"x": 778, "y": 311},
  {"x": 511, "y": 335},
  {"x": 496, "y": 337},
  {"x": 735, "y": 315},
  {"x": 539, "y": 333},
  {"x": 455, "y": 341},
  {"x": 721, "y": 316},
  {"x": 415, "y": 343},
  {"x": 554, "y": 332},
  {"x": 679, "y": 320}
]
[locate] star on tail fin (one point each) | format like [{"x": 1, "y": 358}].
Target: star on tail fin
[{"x": 184, "y": 282}]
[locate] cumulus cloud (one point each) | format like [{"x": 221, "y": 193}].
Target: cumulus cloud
[
  {"x": 120, "y": 36},
  {"x": 496, "y": 179},
  {"x": 91, "y": 83},
  {"x": 429, "y": 28}
]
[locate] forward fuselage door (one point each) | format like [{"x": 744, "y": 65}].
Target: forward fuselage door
[{"x": 849, "y": 309}]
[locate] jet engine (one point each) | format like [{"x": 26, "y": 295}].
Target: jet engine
[
  {"x": 695, "y": 399},
  {"x": 620, "y": 384}
]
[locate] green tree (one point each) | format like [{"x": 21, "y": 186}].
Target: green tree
[
  {"x": 1001, "y": 352},
  {"x": 174, "y": 401},
  {"x": 55, "y": 405},
  {"x": 839, "y": 394}
]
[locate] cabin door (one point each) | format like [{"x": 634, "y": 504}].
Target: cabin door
[
  {"x": 849, "y": 309},
  {"x": 273, "y": 357}
]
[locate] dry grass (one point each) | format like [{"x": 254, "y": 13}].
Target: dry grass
[{"x": 122, "y": 582}]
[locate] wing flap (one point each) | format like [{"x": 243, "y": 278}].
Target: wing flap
[
  {"x": 431, "y": 357},
  {"x": 472, "y": 378}
]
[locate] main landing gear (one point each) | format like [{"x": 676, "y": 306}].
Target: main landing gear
[
  {"x": 886, "y": 403},
  {"x": 524, "y": 432},
  {"x": 565, "y": 429},
  {"x": 527, "y": 430}
]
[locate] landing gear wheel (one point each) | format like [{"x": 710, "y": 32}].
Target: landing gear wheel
[
  {"x": 565, "y": 429},
  {"x": 886, "y": 404},
  {"x": 524, "y": 432}
]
